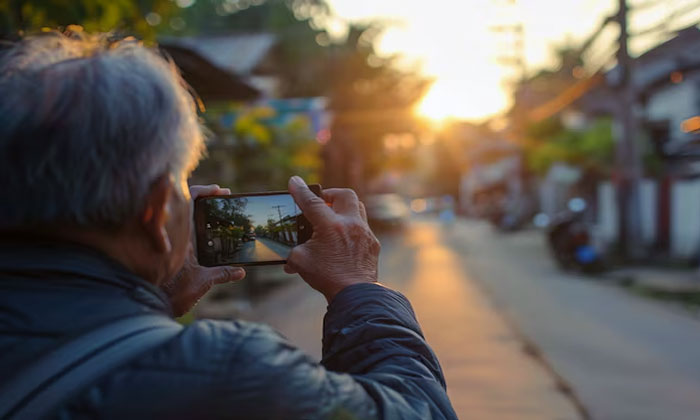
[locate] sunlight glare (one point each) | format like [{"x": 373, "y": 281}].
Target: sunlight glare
[
  {"x": 456, "y": 44},
  {"x": 461, "y": 99}
]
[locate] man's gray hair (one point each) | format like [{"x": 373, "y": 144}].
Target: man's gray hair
[{"x": 86, "y": 126}]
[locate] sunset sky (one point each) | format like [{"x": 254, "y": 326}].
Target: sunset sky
[{"x": 452, "y": 41}]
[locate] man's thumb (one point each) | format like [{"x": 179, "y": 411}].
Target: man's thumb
[{"x": 220, "y": 275}]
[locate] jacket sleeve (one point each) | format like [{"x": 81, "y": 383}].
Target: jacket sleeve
[
  {"x": 376, "y": 364},
  {"x": 371, "y": 332}
]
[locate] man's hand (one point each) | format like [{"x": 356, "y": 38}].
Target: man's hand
[
  {"x": 194, "y": 281},
  {"x": 342, "y": 250}
]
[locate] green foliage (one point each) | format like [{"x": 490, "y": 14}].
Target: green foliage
[
  {"x": 127, "y": 16},
  {"x": 360, "y": 86},
  {"x": 369, "y": 95},
  {"x": 591, "y": 149},
  {"x": 233, "y": 221},
  {"x": 262, "y": 152},
  {"x": 301, "y": 60},
  {"x": 546, "y": 129},
  {"x": 186, "y": 319}
]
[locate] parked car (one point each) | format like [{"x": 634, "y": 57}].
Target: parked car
[
  {"x": 249, "y": 237},
  {"x": 387, "y": 211}
]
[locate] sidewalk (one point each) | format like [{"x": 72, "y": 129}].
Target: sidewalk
[
  {"x": 489, "y": 373},
  {"x": 667, "y": 279},
  {"x": 679, "y": 287},
  {"x": 625, "y": 356}
]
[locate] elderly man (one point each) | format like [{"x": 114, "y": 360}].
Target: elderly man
[{"x": 97, "y": 139}]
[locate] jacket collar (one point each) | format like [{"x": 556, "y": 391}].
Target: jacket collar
[{"x": 47, "y": 260}]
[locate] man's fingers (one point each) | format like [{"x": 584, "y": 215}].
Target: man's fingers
[
  {"x": 295, "y": 259},
  {"x": 363, "y": 211},
  {"x": 313, "y": 207},
  {"x": 343, "y": 200},
  {"x": 201, "y": 191},
  {"x": 204, "y": 190},
  {"x": 220, "y": 275}
]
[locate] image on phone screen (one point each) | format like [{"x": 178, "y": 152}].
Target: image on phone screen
[{"x": 247, "y": 230}]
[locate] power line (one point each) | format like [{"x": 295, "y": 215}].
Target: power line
[
  {"x": 515, "y": 58},
  {"x": 594, "y": 36},
  {"x": 666, "y": 23},
  {"x": 645, "y": 5},
  {"x": 608, "y": 57},
  {"x": 278, "y": 207}
]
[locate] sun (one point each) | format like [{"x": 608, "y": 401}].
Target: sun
[
  {"x": 438, "y": 104},
  {"x": 460, "y": 100}
]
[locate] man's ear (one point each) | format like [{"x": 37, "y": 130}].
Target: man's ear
[{"x": 156, "y": 212}]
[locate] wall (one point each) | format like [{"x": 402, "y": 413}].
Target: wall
[
  {"x": 606, "y": 225},
  {"x": 675, "y": 103},
  {"x": 685, "y": 218},
  {"x": 649, "y": 210}
]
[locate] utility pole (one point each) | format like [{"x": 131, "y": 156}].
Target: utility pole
[
  {"x": 628, "y": 167},
  {"x": 513, "y": 31},
  {"x": 279, "y": 211}
]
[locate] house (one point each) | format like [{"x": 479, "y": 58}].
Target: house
[
  {"x": 666, "y": 80},
  {"x": 206, "y": 61},
  {"x": 239, "y": 78}
]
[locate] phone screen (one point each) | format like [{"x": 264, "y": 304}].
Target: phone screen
[{"x": 247, "y": 230}]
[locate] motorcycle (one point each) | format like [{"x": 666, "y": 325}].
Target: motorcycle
[{"x": 571, "y": 242}]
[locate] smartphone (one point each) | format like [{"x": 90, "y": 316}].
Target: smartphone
[{"x": 249, "y": 229}]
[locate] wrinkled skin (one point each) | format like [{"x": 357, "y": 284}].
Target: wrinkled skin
[
  {"x": 342, "y": 250},
  {"x": 193, "y": 280}
]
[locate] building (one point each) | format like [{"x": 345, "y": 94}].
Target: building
[
  {"x": 206, "y": 62},
  {"x": 666, "y": 80}
]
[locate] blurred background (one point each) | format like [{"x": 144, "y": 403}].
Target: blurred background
[{"x": 532, "y": 168}]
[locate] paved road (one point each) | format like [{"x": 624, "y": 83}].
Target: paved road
[
  {"x": 625, "y": 356},
  {"x": 488, "y": 374},
  {"x": 261, "y": 249}
]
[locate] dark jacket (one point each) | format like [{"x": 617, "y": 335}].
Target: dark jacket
[{"x": 376, "y": 363}]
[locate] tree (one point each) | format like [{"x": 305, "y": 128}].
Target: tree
[
  {"x": 591, "y": 149},
  {"x": 261, "y": 154},
  {"x": 129, "y": 17},
  {"x": 370, "y": 97},
  {"x": 548, "y": 141},
  {"x": 230, "y": 216},
  {"x": 298, "y": 52}
]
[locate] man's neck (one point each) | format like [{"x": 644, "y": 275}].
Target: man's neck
[{"x": 119, "y": 245}]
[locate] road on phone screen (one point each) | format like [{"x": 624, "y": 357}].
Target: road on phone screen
[{"x": 261, "y": 249}]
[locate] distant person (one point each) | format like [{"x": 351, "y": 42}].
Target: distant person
[
  {"x": 447, "y": 214},
  {"x": 97, "y": 140}
]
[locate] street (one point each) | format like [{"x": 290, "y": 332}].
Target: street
[
  {"x": 481, "y": 296},
  {"x": 488, "y": 374},
  {"x": 490, "y": 140},
  {"x": 261, "y": 249},
  {"x": 626, "y": 357}
]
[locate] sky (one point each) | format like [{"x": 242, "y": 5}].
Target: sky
[
  {"x": 261, "y": 208},
  {"x": 453, "y": 41}
]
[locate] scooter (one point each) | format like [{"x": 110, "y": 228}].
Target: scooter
[{"x": 570, "y": 240}]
